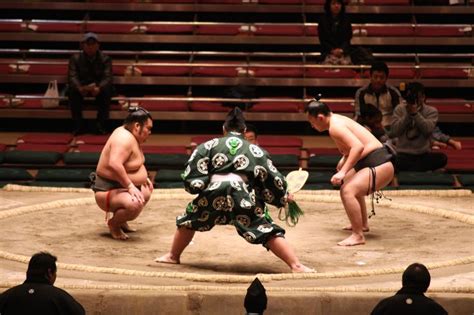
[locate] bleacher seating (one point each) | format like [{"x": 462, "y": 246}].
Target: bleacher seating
[{"x": 271, "y": 45}]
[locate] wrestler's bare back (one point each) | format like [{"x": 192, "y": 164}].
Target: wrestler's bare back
[
  {"x": 339, "y": 122},
  {"x": 122, "y": 147}
]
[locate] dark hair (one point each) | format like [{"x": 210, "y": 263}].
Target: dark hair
[
  {"x": 416, "y": 276},
  {"x": 412, "y": 91},
  {"x": 379, "y": 66},
  {"x": 315, "y": 107},
  {"x": 327, "y": 7},
  {"x": 235, "y": 120},
  {"x": 137, "y": 114},
  {"x": 39, "y": 265},
  {"x": 251, "y": 128}
]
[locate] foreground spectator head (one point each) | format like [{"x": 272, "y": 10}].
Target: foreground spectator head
[
  {"x": 256, "y": 298},
  {"x": 417, "y": 277},
  {"x": 42, "y": 266}
]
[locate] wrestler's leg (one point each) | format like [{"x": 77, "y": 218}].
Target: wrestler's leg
[
  {"x": 353, "y": 189},
  {"x": 124, "y": 208},
  {"x": 280, "y": 247},
  {"x": 146, "y": 191},
  {"x": 365, "y": 221},
  {"x": 361, "y": 200},
  {"x": 181, "y": 239}
]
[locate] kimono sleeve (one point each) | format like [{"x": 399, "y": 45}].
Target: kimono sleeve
[
  {"x": 195, "y": 176},
  {"x": 274, "y": 184}
]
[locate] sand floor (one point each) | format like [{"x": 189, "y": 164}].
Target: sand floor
[{"x": 78, "y": 235}]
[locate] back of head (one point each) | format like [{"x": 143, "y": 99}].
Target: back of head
[
  {"x": 417, "y": 277},
  {"x": 39, "y": 265},
  {"x": 315, "y": 107},
  {"x": 137, "y": 114},
  {"x": 413, "y": 91},
  {"x": 235, "y": 121},
  {"x": 379, "y": 66}
]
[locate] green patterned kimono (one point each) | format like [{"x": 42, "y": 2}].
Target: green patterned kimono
[{"x": 233, "y": 201}]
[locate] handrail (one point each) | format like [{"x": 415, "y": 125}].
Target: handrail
[
  {"x": 247, "y": 64},
  {"x": 199, "y": 23},
  {"x": 223, "y": 53},
  {"x": 125, "y": 99},
  {"x": 357, "y": 8}
]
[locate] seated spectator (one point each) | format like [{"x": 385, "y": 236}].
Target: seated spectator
[
  {"x": 90, "y": 75},
  {"x": 240, "y": 92},
  {"x": 335, "y": 34},
  {"x": 410, "y": 299},
  {"x": 413, "y": 124},
  {"x": 38, "y": 295},
  {"x": 376, "y": 97},
  {"x": 251, "y": 134}
]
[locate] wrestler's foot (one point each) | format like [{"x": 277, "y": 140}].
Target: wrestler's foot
[
  {"x": 349, "y": 228},
  {"x": 352, "y": 240},
  {"x": 117, "y": 232},
  {"x": 126, "y": 228},
  {"x": 301, "y": 268},
  {"x": 167, "y": 259}
]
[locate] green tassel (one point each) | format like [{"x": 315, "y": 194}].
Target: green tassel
[{"x": 292, "y": 213}]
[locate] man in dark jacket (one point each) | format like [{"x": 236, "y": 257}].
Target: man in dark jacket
[
  {"x": 410, "y": 300},
  {"x": 38, "y": 295},
  {"x": 90, "y": 75}
]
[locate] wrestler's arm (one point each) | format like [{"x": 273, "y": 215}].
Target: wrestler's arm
[
  {"x": 120, "y": 151},
  {"x": 342, "y": 134},
  {"x": 341, "y": 162}
]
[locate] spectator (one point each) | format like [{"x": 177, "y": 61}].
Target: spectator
[
  {"x": 375, "y": 102},
  {"x": 335, "y": 34},
  {"x": 413, "y": 124},
  {"x": 251, "y": 134},
  {"x": 38, "y": 295},
  {"x": 90, "y": 75},
  {"x": 256, "y": 299},
  {"x": 410, "y": 300},
  {"x": 240, "y": 92}
]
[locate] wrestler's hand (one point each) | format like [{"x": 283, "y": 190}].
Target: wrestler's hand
[
  {"x": 290, "y": 197},
  {"x": 149, "y": 184},
  {"x": 338, "y": 178},
  {"x": 136, "y": 194},
  {"x": 341, "y": 162}
]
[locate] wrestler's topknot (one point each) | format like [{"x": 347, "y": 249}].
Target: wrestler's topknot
[
  {"x": 137, "y": 114},
  {"x": 235, "y": 120},
  {"x": 315, "y": 107}
]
